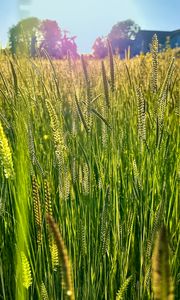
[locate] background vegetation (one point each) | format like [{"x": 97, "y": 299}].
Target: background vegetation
[{"x": 31, "y": 37}]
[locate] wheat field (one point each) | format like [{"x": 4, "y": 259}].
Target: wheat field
[{"x": 89, "y": 177}]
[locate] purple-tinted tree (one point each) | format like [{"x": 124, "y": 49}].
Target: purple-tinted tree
[
  {"x": 100, "y": 49},
  {"x": 68, "y": 45},
  {"x": 51, "y": 39}
]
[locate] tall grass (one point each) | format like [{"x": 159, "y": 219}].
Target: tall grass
[{"x": 93, "y": 145}]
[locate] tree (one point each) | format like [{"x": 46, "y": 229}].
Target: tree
[
  {"x": 33, "y": 46},
  {"x": 22, "y": 35},
  {"x": 46, "y": 36},
  {"x": 13, "y": 39},
  {"x": 124, "y": 30},
  {"x": 100, "y": 49},
  {"x": 122, "y": 34},
  {"x": 51, "y": 38},
  {"x": 68, "y": 44}
]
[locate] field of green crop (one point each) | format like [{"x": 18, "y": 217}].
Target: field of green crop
[{"x": 89, "y": 176}]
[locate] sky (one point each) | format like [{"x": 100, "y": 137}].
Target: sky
[{"x": 88, "y": 19}]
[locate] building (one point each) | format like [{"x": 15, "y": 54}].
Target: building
[{"x": 143, "y": 40}]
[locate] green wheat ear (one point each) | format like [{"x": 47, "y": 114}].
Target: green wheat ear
[
  {"x": 161, "y": 280},
  {"x": 154, "y": 53},
  {"x": 6, "y": 155},
  {"x": 47, "y": 195},
  {"x": 26, "y": 271},
  {"x": 54, "y": 255},
  {"x": 44, "y": 294},
  {"x": 37, "y": 209},
  {"x": 123, "y": 288},
  {"x": 141, "y": 115}
]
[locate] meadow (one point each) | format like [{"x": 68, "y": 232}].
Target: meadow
[{"x": 89, "y": 176}]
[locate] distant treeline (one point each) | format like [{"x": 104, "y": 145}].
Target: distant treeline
[
  {"x": 33, "y": 37},
  {"x": 41, "y": 38}
]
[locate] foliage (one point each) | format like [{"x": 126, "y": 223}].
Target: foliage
[
  {"x": 68, "y": 45},
  {"x": 122, "y": 34},
  {"x": 95, "y": 146},
  {"x": 100, "y": 49},
  {"x": 32, "y": 37},
  {"x": 51, "y": 38},
  {"x": 124, "y": 30},
  {"x": 22, "y": 37}
]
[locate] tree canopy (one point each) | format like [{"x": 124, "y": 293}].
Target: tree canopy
[
  {"x": 122, "y": 34},
  {"x": 124, "y": 30},
  {"x": 121, "y": 37},
  {"x": 100, "y": 49},
  {"x": 31, "y": 35},
  {"x": 51, "y": 38},
  {"x": 23, "y": 35}
]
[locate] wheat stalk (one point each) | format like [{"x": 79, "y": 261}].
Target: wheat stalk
[
  {"x": 105, "y": 84},
  {"x": 111, "y": 64},
  {"x": 63, "y": 255},
  {"x": 154, "y": 53},
  {"x": 37, "y": 209}
]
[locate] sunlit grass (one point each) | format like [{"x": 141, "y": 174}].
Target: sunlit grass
[{"x": 96, "y": 148}]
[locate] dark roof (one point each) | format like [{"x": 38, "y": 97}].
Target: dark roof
[
  {"x": 173, "y": 33},
  {"x": 147, "y": 35}
]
